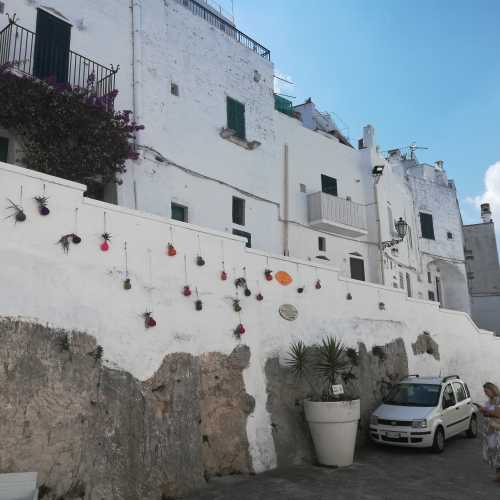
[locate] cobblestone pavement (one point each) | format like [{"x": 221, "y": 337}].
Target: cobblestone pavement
[{"x": 377, "y": 474}]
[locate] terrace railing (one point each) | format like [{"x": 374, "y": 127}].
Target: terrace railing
[
  {"x": 19, "y": 50},
  {"x": 201, "y": 11}
]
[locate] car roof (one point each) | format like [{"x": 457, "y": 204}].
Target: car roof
[{"x": 415, "y": 379}]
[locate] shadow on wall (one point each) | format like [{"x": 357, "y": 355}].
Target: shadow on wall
[
  {"x": 375, "y": 373},
  {"x": 94, "y": 432}
]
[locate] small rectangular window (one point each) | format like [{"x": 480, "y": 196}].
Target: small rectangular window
[
  {"x": 4, "y": 149},
  {"x": 179, "y": 212},
  {"x": 302, "y": 188},
  {"x": 431, "y": 295},
  {"x": 246, "y": 235},
  {"x": 329, "y": 185},
  {"x": 427, "y": 226},
  {"x": 322, "y": 244},
  {"x": 449, "y": 235},
  {"x": 408, "y": 285},
  {"x": 469, "y": 257},
  {"x": 2, "y": 7},
  {"x": 238, "y": 211},
  {"x": 357, "y": 269},
  {"x": 174, "y": 89},
  {"x": 401, "y": 280},
  {"x": 429, "y": 277},
  {"x": 236, "y": 117}
]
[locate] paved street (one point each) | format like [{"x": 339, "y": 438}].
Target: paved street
[{"x": 378, "y": 473}]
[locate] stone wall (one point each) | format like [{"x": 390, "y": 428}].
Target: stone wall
[{"x": 97, "y": 433}]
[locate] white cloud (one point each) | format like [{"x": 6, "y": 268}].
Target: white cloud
[{"x": 491, "y": 193}]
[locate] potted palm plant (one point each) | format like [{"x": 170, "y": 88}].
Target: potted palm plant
[{"x": 331, "y": 412}]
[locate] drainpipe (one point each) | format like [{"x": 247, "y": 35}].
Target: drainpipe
[
  {"x": 379, "y": 229},
  {"x": 135, "y": 16},
  {"x": 286, "y": 214}
]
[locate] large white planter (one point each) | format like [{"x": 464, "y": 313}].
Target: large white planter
[{"x": 334, "y": 426}]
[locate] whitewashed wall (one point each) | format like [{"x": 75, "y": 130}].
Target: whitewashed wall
[{"x": 83, "y": 291}]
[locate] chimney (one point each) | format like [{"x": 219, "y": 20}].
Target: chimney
[
  {"x": 485, "y": 213},
  {"x": 439, "y": 164},
  {"x": 369, "y": 137}
]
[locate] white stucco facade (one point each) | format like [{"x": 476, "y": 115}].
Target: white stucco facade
[
  {"x": 184, "y": 159},
  {"x": 83, "y": 291}
]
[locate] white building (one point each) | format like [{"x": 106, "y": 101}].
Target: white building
[
  {"x": 483, "y": 271},
  {"x": 217, "y": 153}
]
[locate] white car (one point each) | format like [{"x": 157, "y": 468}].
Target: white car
[{"x": 423, "y": 412}]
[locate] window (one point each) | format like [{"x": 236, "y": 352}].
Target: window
[
  {"x": 329, "y": 185},
  {"x": 246, "y": 235},
  {"x": 469, "y": 257},
  {"x": 427, "y": 226},
  {"x": 467, "y": 392},
  {"x": 408, "y": 285},
  {"x": 52, "y": 42},
  {"x": 174, "y": 89},
  {"x": 4, "y": 149},
  {"x": 459, "y": 391},
  {"x": 357, "y": 269},
  {"x": 401, "y": 280},
  {"x": 2, "y": 7},
  {"x": 449, "y": 235},
  {"x": 448, "y": 397},
  {"x": 470, "y": 275},
  {"x": 409, "y": 237},
  {"x": 179, "y": 212},
  {"x": 238, "y": 211},
  {"x": 429, "y": 277},
  {"x": 431, "y": 295},
  {"x": 322, "y": 244},
  {"x": 236, "y": 117},
  {"x": 302, "y": 188}
]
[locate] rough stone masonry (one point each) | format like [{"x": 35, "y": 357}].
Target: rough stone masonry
[{"x": 97, "y": 433}]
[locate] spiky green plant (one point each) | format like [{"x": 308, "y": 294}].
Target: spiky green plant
[{"x": 321, "y": 366}]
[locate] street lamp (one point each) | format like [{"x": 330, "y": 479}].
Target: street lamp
[{"x": 401, "y": 227}]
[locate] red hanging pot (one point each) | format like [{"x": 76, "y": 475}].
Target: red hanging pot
[
  {"x": 171, "y": 251},
  {"x": 223, "y": 275},
  {"x": 268, "y": 274},
  {"x": 318, "y": 284},
  {"x": 186, "y": 291}
]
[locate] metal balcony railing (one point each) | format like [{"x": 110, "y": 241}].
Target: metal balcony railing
[
  {"x": 336, "y": 215},
  {"x": 18, "y": 50},
  {"x": 199, "y": 10}
]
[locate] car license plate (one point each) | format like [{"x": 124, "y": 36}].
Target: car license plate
[{"x": 393, "y": 435}]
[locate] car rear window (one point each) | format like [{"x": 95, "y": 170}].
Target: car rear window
[{"x": 459, "y": 391}]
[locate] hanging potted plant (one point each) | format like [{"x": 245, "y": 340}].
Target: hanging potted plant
[{"x": 331, "y": 412}]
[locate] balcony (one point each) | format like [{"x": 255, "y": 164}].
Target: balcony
[
  {"x": 336, "y": 215},
  {"x": 20, "y": 51},
  {"x": 208, "y": 13}
]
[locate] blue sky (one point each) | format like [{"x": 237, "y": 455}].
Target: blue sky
[{"x": 425, "y": 71}]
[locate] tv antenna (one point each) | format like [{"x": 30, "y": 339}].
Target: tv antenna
[{"x": 408, "y": 150}]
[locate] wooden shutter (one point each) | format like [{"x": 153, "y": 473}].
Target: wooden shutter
[
  {"x": 357, "y": 269},
  {"x": 4, "y": 149},
  {"x": 329, "y": 185},
  {"x": 53, "y": 37},
  {"x": 236, "y": 117},
  {"x": 427, "y": 226}
]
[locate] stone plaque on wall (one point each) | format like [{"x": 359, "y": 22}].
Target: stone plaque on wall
[{"x": 288, "y": 312}]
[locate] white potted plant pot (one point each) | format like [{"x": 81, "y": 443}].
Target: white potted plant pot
[{"x": 333, "y": 425}]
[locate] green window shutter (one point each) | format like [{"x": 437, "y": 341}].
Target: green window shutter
[
  {"x": 427, "y": 226},
  {"x": 4, "y": 149},
  {"x": 236, "y": 117}
]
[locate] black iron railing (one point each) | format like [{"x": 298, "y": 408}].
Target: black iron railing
[
  {"x": 18, "y": 49},
  {"x": 201, "y": 11}
]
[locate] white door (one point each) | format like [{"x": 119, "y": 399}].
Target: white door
[
  {"x": 449, "y": 411},
  {"x": 463, "y": 407}
]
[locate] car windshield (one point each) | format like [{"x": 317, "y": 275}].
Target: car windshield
[{"x": 414, "y": 395}]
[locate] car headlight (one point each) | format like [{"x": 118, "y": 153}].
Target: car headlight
[
  {"x": 419, "y": 424},
  {"x": 373, "y": 420}
]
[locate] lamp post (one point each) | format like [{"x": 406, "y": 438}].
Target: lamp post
[{"x": 401, "y": 227}]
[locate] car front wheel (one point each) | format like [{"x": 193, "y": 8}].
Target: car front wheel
[
  {"x": 472, "y": 430},
  {"x": 438, "y": 442}
]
